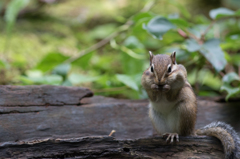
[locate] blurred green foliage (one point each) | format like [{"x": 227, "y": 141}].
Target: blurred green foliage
[{"x": 103, "y": 45}]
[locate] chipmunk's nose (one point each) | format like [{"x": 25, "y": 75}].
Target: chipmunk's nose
[{"x": 161, "y": 82}]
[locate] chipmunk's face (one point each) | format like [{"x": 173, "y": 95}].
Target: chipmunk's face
[{"x": 161, "y": 70}]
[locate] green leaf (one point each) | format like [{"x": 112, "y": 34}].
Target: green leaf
[
  {"x": 4, "y": 64},
  {"x": 37, "y": 77},
  {"x": 198, "y": 29},
  {"x": 207, "y": 93},
  {"x": 181, "y": 23},
  {"x": 50, "y": 61},
  {"x": 66, "y": 83},
  {"x": 206, "y": 77},
  {"x": 220, "y": 12},
  {"x": 132, "y": 42},
  {"x": 102, "y": 31},
  {"x": 201, "y": 19},
  {"x": 192, "y": 45},
  {"x": 173, "y": 16},
  {"x": 104, "y": 63},
  {"x": 236, "y": 59},
  {"x": 231, "y": 42},
  {"x": 19, "y": 61},
  {"x": 191, "y": 76},
  {"x": 75, "y": 78},
  {"x": 132, "y": 53},
  {"x": 158, "y": 26},
  {"x": 130, "y": 63},
  {"x": 231, "y": 91},
  {"x": 13, "y": 8},
  {"x": 237, "y": 12},
  {"x": 84, "y": 61},
  {"x": 141, "y": 16},
  {"x": 170, "y": 37},
  {"x": 214, "y": 54},
  {"x": 181, "y": 55},
  {"x": 49, "y": 79},
  {"x": 137, "y": 78},
  {"x": 34, "y": 73},
  {"x": 183, "y": 10},
  {"x": 62, "y": 69},
  {"x": 128, "y": 81},
  {"x": 230, "y": 77},
  {"x": 227, "y": 82},
  {"x": 137, "y": 28}
]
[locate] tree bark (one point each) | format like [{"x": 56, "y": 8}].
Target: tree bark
[
  {"x": 41, "y": 95},
  {"x": 109, "y": 147}
]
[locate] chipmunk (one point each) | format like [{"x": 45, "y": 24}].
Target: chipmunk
[{"x": 173, "y": 104}]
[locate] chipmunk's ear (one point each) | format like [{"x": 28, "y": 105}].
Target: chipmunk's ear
[
  {"x": 151, "y": 57},
  {"x": 173, "y": 57}
]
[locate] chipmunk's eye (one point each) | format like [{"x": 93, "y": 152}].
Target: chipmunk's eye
[
  {"x": 169, "y": 69},
  {"x": 151, "y": 68}
]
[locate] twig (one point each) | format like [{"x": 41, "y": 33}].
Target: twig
[
  {"x": 195, "y": 37},
  {"x": 182, "y": 33},
  {"x": 216, "y": 31},
  {"x": 213, "y": 22},
  {"x": 222, "y": 74},
  {"x": 202, "y": 38},
  {"x": 207, "y": 29},
  {"x": 112, "y": 132},
  {"x": 106, "y": 40},
  {"x": 97, "y": 45}
]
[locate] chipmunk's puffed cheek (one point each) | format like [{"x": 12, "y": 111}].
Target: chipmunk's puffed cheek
[
  {"x": 174, "y": 67},
  {"x": 173, "y": 76},
  {"x": 147, "y": 73}
]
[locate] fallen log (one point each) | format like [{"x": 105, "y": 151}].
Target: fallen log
[
  {"x": 41, "y": 95},
  {"x": 109, "y": 147},
  {"x": 65, "y": 123}
]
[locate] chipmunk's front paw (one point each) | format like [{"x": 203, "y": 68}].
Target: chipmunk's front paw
[
  {"x": 166, "y": 88},
  {"x": 155, "y": 87},
  {"x": 171, "y": 136}
]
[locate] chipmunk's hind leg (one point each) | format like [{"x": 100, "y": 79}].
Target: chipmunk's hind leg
[{"x": 171, "y": 136}]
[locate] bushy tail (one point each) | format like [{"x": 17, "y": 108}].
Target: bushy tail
[{"x": 227, "y": 135}]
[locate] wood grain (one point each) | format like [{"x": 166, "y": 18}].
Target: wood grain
[
  {"x": 41, "y": 95},
  {"x": 109, "y": 147}
]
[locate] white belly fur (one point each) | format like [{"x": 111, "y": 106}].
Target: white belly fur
[{"x": 164, "y": 116}]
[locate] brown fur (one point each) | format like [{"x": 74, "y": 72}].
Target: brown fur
[
  {"x": 220, "y": 133},
  {"x": 181, "y": 100},
  {"x": 160, "y": 66},
  {"x": 227, "y": 135},
  {"x": 182, "y": 93},
  {"x": 188, "y": 111}
]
